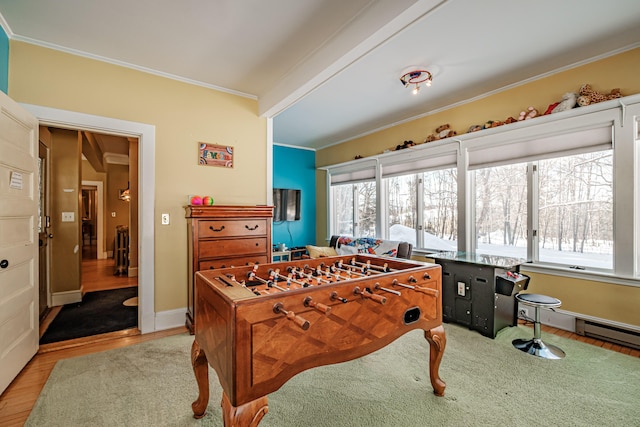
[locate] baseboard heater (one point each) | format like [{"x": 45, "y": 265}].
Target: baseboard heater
[{"x": 608, "y": 333}]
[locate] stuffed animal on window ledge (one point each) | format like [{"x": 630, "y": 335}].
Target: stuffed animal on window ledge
[
  {"x": 442, "y": 132},
  {"x": 404, "y": 145},
  {"x": 568, "y": 101},
  {"x": 589, "y": 96},
  {"x": 527, "y": 114}
]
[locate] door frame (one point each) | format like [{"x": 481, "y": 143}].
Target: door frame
[
  {"x": 146, "y": 135},
  {"x": 101, "y": 253}
]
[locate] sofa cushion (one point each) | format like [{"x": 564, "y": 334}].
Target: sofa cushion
[{"x": 320, "y": 251}]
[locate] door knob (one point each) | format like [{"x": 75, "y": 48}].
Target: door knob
[{"x": 50, "y": 236}]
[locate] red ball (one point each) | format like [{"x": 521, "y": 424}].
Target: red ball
[
  {"x": 196, "y": 200},
  {"x": 207, "y": 200}
]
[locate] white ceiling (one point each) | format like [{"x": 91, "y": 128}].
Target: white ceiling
[{"x": 328, "y": 70}]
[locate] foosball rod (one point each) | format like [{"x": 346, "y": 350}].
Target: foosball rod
[
  {"x": 320, "y": 272},
  {"x": 346, "y": 270},
  {"x": 415, "y": 288},
  {"x": 252, "y": 275},
  {"x": 276, "y": 272},
  {"x": 366, "y": 294},
  {"x": 385, "y": 267},
  {"x": 308, "y": 276},
  {"x": 377, "y": 286}
]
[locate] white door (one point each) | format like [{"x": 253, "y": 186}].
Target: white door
[{"x": 18, "y": 239}]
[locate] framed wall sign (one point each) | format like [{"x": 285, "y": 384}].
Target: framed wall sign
[{"x": 215, "y": 155}]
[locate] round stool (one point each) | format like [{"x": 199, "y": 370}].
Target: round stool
[{"x": 535, "y": 346}]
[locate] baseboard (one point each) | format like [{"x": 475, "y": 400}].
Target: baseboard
[
  {"x": 602, "y": 329},
  {"x": 66, "y": 297},
  {"x": 556, "y": 318},
  {"x": 170, "y": 319},
  {"x": 606, "y": 332}
]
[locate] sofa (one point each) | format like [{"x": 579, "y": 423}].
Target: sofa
[{"x": 373, "y": 246}]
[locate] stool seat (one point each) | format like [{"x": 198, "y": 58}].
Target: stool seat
[
  {"x": 539, "y": 300},
  {"x": 535, "y": 346}
]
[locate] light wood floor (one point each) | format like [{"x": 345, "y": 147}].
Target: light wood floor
[{"x": 97, "y": 275}]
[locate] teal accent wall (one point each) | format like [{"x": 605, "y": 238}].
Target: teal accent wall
[
  {"x": 296, "y": 169},
  {"x": 4, "y": 61}
]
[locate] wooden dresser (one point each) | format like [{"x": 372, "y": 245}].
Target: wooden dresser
[{"x": 225, "y": 236}]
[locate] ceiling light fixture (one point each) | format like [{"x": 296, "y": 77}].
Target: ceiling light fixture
[
  {"x": 125, "y": 194},
  {"x": 415, "y": 76}
]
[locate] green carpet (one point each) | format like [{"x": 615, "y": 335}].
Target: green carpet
[{"x": 489, "y": 383}]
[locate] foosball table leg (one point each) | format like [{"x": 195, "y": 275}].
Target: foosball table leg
[
  {"x": 437, "y": 341},
  {"x": 201, "y": 371},
  {"x": 248, "y": 415}
]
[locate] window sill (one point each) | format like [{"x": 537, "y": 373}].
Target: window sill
[{"x": 596, "y": 276}]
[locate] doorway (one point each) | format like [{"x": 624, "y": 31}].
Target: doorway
[
  {"x": 145, "y": 134},
  {"x": 104, "y": 297}
]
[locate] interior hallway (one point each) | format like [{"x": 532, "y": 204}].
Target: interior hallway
[{"x": 97, "y": 275}]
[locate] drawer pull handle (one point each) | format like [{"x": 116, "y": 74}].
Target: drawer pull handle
[
  {"x": 250, "y": 228},
  {"x": 216, "y": 229}
]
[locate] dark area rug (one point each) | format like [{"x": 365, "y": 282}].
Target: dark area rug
[{"x": 98, "y": 313}]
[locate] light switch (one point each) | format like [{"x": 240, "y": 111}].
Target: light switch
[
  {"x": 165, "y": 219},
  {"x": 68, "y": 216}
]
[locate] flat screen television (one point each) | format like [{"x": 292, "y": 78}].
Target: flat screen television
[{"x": 286, "y": 203}]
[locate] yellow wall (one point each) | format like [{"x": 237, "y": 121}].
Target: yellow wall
[
  {"x": 604, "y": 300},
  {"x": 66, "y": 249},
  {"x": 183, "y": 115},
  {"x": 598, "y": 299}
]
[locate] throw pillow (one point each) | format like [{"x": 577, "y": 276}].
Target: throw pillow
[{"x": 320, "y": 251}]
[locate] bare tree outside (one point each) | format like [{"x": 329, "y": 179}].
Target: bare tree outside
[
  {"x": 366, "y": 209},
  {"x": 576, "y": 205},
  {"x": 574, "y": 209},
  {"x": 501, "y": 207}
]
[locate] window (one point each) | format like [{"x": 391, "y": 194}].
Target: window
[
  {"x": 575, "y": 210},
  {"x": 561, "y": 193},
  {"x": 401, "y": 208},
  {"x": 501, "y": 210},
  {"x": 342, "y": 206},
  {"x": 440, "y": 210},
  {"x": 354, "y": 209}
]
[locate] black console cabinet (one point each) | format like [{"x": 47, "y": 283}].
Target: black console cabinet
[{"x": 479, "y": 290}]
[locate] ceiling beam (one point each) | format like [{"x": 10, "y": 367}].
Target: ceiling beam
[{"x": 92, "y": 151}]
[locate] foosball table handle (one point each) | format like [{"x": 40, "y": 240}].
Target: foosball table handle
[
  {"x": 290, "y": 315},
  {"x": 366, "y": 294},
  {"x": 323, "y": 308}
]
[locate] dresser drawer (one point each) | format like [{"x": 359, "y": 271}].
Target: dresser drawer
[
  {"x": 232, "y": 262},
  {"x": 228, "y": 228},
  {"x": 227, "y": 248}
]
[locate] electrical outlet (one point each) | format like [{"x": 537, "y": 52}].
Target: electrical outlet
[
  {"x": 165, "y": 219},
  {"x": 523, "y": 313}
]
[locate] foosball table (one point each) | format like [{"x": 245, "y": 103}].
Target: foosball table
[{"x": 260, "y": 325}]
